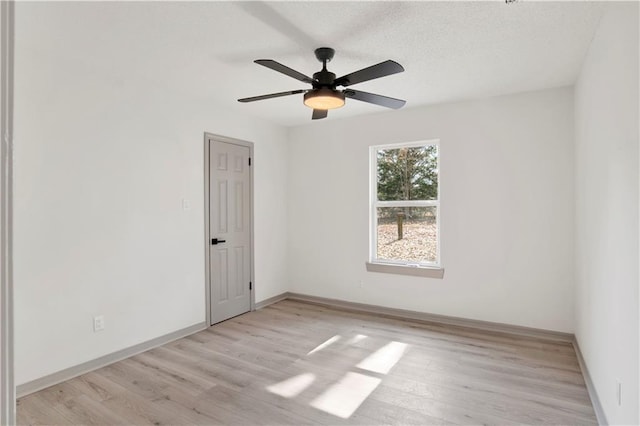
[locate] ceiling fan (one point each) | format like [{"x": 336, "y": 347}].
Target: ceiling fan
[{"x": 325, "y": 94}]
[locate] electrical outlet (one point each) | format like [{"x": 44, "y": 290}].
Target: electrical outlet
[
  {"x": 619, "y": 392},
  {"x": 186, "y": 204},
  {"x": 98, "y": 323},
  {"x": 360, "y": 283}
]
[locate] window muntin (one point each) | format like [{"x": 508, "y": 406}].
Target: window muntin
[{"x": 405, "y": 204}]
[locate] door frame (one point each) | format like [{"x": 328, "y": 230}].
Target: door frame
[
  {"x": 207, "y": 247},
  {"x": 7, "y": 385}
]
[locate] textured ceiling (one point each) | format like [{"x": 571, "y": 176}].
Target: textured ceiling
[{"x": 450, "y": 50}]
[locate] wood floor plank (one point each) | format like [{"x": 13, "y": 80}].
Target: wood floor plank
[
  {"x": 297, "y": 363},
  {"x": 33, "y": 410},
  {"x": 252, "y": 409}
]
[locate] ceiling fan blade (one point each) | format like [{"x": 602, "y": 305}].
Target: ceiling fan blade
[
  {"x": 382, "y": 69},
  {"x": 272, "y": 95},
  {"x": 318, "y": 114},
  {"x": 372, "y": 98},
  {"x": 277, "y": 66}
]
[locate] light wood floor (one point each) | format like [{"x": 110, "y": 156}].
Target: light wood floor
[{"x": 296, "y": 363}]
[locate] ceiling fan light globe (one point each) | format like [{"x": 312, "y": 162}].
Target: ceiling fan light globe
[{"x": 324, "y": 99}]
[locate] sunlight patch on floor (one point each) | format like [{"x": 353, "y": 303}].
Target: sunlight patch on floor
[
  {"x": 357, "y": 338},
  {"x": 325, "y": 344},
  {"x": 383, "y": 360},
  {"x": 343, "y": 398},
  {"x": 293, "y": 386}
]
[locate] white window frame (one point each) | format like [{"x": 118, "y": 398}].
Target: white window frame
[{"x": 429, "y": 269}]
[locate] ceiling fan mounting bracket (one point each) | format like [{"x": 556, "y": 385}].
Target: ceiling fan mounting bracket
[{"x": 324, "y": 54}]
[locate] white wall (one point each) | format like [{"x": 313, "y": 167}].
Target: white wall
[
  {"x": 606, "y": 120},
  {"x": 506, "y": 209},
  {"x": 103, "y": 161}
]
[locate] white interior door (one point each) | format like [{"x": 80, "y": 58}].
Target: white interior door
[{"x": 229, "y": 229}]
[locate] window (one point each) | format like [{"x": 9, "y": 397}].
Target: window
[{"x": 405, "y": 206}]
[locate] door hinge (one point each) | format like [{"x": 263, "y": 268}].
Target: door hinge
[
  {"x": 250, "y": 286},
  {"x": 249, "y": 160}
]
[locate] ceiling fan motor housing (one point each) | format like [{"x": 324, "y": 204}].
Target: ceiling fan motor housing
[{"x": 323, "y": 78}]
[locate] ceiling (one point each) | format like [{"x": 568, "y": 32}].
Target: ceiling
[{"x": 205, "y": 50}]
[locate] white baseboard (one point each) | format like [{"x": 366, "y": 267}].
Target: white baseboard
[
  {"x": 271, "y": 300},
  {"x": 77, "y": 370},
  {"x": 434, "y": 318},
  {"x": 595, "y": 401}
]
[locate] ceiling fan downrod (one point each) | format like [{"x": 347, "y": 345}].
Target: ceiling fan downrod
[{"x": 323, "y": 77}]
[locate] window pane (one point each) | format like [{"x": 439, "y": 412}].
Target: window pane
[
  {"x": 408, "y": 173},
  {"x": 418, "y": 240}
]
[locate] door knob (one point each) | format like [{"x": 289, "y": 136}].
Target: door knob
[{"x": 215, "y": 241}]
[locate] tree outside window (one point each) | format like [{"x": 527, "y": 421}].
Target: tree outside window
[{"x": 405, "y": 204}]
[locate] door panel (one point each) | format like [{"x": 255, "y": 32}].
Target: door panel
[{"x": 229, "y": 224}]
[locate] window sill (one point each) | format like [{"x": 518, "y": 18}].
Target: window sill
[{"x": 415, "y": 271}]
